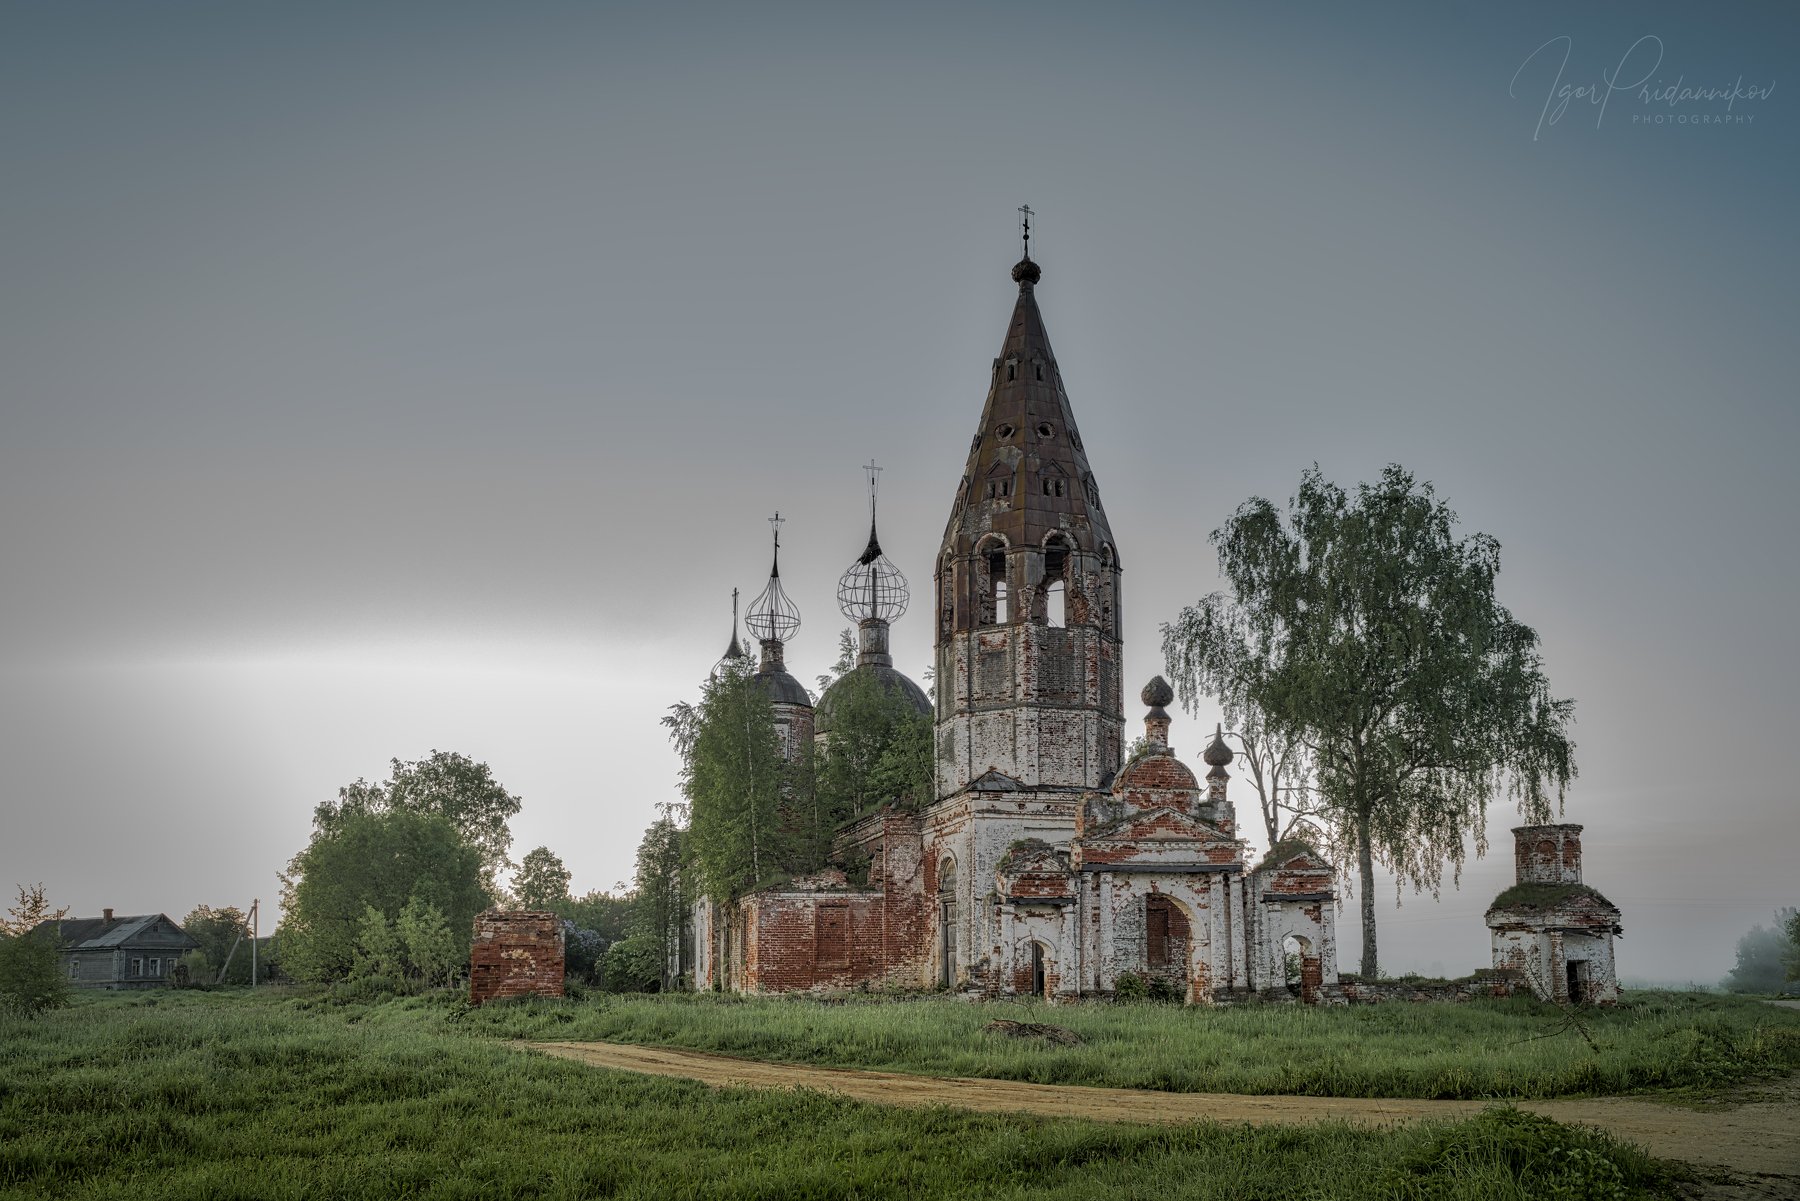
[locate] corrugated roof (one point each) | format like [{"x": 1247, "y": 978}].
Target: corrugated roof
[{"x": 97, "y": 933}]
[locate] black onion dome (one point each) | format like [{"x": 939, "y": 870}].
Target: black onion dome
[
  {"x": 1217, "y": 753},
  {"x": 893, "y": 682},
  {"x": 1026, "y": 272},
  {"x": 1157, "y": 693}
]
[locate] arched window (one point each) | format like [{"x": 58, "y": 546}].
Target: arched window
[
  {"x": 997, "y": 581},
  {"x": 1056, "y": 583}
]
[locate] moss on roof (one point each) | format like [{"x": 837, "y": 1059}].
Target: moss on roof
[
  {"x": 1287, "y": 848},
  {"x": 1546, "y": 896}
]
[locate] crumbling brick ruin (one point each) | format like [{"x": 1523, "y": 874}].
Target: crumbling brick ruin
[
  {"x": 1044, "y": 863},
  {"x": 515, "y": 953},
  {"x": 1550, "y": 927}
]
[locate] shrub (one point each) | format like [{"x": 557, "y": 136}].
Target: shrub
[
  {"x": 1131, "y": 987},
  {"x": 1165, "y": 988},
  {"x": 634, "y": 965},
  {"x": 32, "y": 977}
]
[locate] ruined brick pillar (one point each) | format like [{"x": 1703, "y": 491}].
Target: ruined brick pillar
[{"x": 516, "y": 953}]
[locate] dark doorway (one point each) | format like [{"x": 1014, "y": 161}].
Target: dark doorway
[
  {"x": 1037, "y": 969},
  {"x": 1577, "y": 971}
]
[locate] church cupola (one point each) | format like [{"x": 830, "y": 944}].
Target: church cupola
[
  {"x": 1026, "y": 601},
  {"x": 773, "y": 619},
  {"x": 872, "y": 592},
  {"x": 734, "y": 650}
]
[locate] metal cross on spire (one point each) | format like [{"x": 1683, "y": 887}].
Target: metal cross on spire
[
  {"x": 873, "y": 472},
  {"x": 1026, "y": 209}
]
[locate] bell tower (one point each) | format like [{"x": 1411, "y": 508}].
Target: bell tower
[{"x": 1027, "y": 587}]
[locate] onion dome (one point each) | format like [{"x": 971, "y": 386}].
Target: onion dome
[
  {"x": 872, "y": 592},
  {"x": 774, "y": 618},
  {"x": 1157, "y": 693},
  {"x": 1217, "y": 753},
  {"x": 734, "y": 650},
  {"x": 872, "y": 588}
]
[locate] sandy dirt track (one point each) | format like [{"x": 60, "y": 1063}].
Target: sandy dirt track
[{"x": 1760, "y": 1137}]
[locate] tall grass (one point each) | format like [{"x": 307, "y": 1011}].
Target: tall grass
[
  {"x": 1481, "y": 1049},
  {"x": 261, "y": 1097}
]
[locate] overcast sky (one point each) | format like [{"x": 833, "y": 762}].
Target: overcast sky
[{"x": 381, "y": 378}]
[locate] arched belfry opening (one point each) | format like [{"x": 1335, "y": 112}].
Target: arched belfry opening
[{"x": 1028, "y": 635}]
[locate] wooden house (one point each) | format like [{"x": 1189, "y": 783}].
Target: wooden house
[{"x": 121, "y": 952}]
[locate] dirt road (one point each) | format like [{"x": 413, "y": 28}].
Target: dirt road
[{"x": 1760, "y": 1137}]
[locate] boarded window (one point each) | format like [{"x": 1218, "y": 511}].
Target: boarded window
[
  {"x": 1165, "y": 933},
  {"x": 833, "y": 936},
  {"x": 993, "y": 673}
]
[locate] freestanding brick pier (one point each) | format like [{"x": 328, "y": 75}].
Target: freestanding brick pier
[{"x": 516, "y": 954}]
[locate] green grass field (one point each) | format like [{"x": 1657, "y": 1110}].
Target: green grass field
[
  {"x": 1482, "y": 1049},
  {"x": 238, "y": 1096}
]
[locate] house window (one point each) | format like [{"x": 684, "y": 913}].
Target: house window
[
  {"x": 74, "y": 969},
  {"x": 156, "y": 967},
  {"x": 137, "y": 967}
]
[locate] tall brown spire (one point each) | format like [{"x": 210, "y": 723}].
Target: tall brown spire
[{"x": 1027, "y": 472}]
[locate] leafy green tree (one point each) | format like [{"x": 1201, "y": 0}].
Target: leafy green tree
[
  {"x": 542, "y": 881},
  {"x": 659, "y": 903},
  {"x": 1365, "y": 629},
  {"x": 31, "y": 910},
  {"x": 433, "y": 957},
  {"x": 1792, "y": 959},
  {"x": 1763, "y": 956},
  {"x": 737, "y": 786},
  {"x": 607, "y": 914},
  {"x": 904, "y": 768},
  {"x": 374, "y": 860},
  {"x": 845, "y": 662},
  {"x": 379, "y": 959},
  {"x": 217, "y": 931},
  {"x": 448, "y": 785},
  {"x": 634, "y": 964},
  {"x": 877, "y": 750},
  {"x": 32, "y": 976}
]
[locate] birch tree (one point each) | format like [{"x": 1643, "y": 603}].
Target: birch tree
[{"x": 1362, "y": 627}]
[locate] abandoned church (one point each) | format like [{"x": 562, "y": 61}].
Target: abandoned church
[
  {"x": 1039, "y": 854},
  {"x": 1046, "y": 862}
]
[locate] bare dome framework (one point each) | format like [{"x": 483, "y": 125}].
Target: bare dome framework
[
  {"x": 872, "y": 588},
  {"x": 773, "y": 616}
]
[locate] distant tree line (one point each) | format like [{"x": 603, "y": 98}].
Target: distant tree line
[{"x": 1768, "y": 957}]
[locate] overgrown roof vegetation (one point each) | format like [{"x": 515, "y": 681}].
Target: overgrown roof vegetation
[
  {"x": 1287, "y": 848},
  {"x": 1547, "y": 896}
]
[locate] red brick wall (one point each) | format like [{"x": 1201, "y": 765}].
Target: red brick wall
[
  {"x": 812, "y": 940},
  {"x": 515, "y": 954}
]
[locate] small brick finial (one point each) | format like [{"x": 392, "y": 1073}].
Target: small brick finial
[{"x": 1156, "y": 694}]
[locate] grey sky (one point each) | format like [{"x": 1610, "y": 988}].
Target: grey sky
[{"x": 381, "y": 379}]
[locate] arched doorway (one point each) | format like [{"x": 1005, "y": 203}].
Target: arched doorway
[
  {"x": 1168, "y": 947},
  {"x": 1301, "y": 969}
]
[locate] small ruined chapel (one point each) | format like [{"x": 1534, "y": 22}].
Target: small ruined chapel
[{"x": 1046, "y": 862}]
